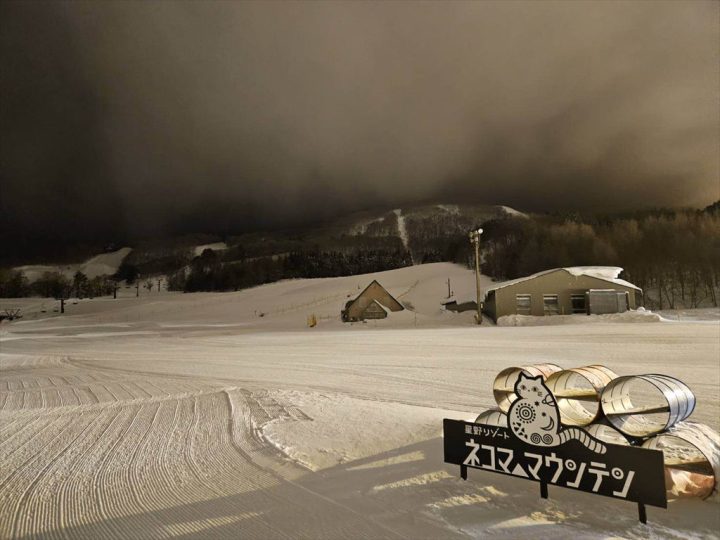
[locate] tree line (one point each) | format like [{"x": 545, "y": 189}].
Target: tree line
[
  {"x": 209, "y": 272},
  {"x": 14, "y": 284}
]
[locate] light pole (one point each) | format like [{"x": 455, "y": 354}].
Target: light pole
[{"x": 475, "y": 240}]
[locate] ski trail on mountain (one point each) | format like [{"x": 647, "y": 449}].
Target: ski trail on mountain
[{"x": 402, "y": 232}]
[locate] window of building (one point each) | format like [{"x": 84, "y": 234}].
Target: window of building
[
  {"x": 578, "y": 303},
  {"x": 551, "y": 305},
  {"x": 522, "y": 304}
]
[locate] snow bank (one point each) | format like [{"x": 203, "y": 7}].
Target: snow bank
[
  {"x": 696, "y": 314},
  {"x": 639, "y": 316}
]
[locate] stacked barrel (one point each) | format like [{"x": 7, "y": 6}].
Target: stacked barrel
[{"x": 641, "y": 410}]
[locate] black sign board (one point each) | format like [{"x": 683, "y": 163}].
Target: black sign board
[{"x": 536, "y": 448}]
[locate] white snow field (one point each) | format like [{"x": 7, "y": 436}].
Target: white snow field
[{"x": 192, "y": 416}]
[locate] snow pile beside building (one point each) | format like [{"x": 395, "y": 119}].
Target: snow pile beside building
[{"x": 636, "y": 316}]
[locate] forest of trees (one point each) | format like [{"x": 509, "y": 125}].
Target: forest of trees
[{"x": 13, "y": 284}]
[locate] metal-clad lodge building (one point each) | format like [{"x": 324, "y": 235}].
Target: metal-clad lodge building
[{"x": 563, "y": 291}]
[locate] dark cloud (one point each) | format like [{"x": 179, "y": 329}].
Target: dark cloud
[{"x": 147, "y": 117}]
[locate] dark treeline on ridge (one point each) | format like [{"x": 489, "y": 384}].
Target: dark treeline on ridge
[
  {"x": 208, "y": 273},
  {"x": 673, "y": 255}
]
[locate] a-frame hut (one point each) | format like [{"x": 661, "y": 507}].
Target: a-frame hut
[{"x": 373, "y": 303}]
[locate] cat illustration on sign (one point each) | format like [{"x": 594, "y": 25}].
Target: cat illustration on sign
[{"x": 534, "y": 417}]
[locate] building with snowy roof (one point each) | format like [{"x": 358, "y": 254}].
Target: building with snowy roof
[
  {"x": 564, "y": 291},
  {"x": 373, "y": 303}
]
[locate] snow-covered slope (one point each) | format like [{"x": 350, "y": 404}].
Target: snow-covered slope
[
  {"x": 103, "y": 264},
  {"x": 285, "y": 305}
]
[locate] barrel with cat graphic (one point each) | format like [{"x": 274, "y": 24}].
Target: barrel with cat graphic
[
  {"x": 644, "y": 405},
  {"x": 691, "y": 452},
  {"x": 577, "y": 392},
  {"x": 606, "y": 433},
  {"x": 534, "y": 417},
  {"x": 504, "y": 385}
]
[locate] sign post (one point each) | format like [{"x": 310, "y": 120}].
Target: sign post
[{"x": 535, "y": 447}]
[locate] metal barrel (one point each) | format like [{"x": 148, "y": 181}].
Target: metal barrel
[
  {"x": 504, "y": 385},
  {"x": 607, "y": 434},
  {"x": 692, "y": 459},
  {"x": 492, "y": 417},
  {"x": 577, "y": 393},
  {"x": 644, "y": 405}
]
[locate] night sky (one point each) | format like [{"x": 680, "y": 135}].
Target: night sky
[{"x": 149, "y": 118}]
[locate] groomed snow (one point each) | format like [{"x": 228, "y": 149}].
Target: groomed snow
[{"x": 191, "y": 415}]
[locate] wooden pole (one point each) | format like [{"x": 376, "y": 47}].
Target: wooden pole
[
  {"x": 475, "y": 239},
  {"x": 477, "y": 279}
]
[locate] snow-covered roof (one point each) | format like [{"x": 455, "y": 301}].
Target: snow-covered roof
[{"x": 606, "y": 273}]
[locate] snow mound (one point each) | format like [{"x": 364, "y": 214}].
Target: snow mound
[{"x": 638, "y": 316}]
